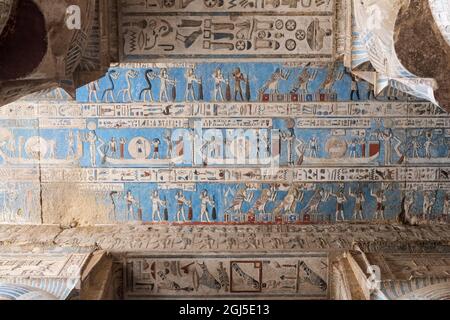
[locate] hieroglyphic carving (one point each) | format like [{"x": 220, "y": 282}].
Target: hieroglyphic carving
[
  {"x": 226, "y": 175},
  {"x": 215, "y": 31},
  {"x": 44, "y": 110},
  {"x": 266, "y": 238},
  {"x": 42, "y": 266},
  {"x": 212, "y": 158},
  {"x": 297, "y": 6},
  {"x": 301, "y": 276}
]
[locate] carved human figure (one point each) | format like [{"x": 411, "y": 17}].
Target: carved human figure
[
  {"x": 415, "y": 147},
  {"x": 300, "y": 151},
  {"x": 157, "y": 205},
  {"x": 165, "y": 83},
  {"x": 313, "y": 147},
  {"x": 387, "y": 137},
  {"x": 238, "y": 78},
  {"x": 428, "y": 203},
  {"x": 340, "y": 201},
  {"x": 380, "y": 199},
  {"x": 130, "y": 201},
  {"x": 70, "y": 146},
  {"x": 354, "y": 88},
  {"x": 191, "y": 79},
  {"x": 205, "y": 201},
  {"x": 288, "y": 137},
  {"x": 122, "y": 143},
  {"x": 446, "y": 207},
  {"x": 113, "y": 147},
  {"x": 93, "y": 88},
  {"x": 427, "y": 145},
  {"x": 214, "y": 147},
  {"x": 218, "y": 80},
  {"x": 181, "y": 203},
  {"x": 127, "y": 92},
  {"x": 92, "y": 138},
  {"x": 156, "y": 144},
  {"x": 359, "y": 201},
  {"x": 409, "y": 202},
  {"x": 169, "y": 143},
  {"x": 52, "y": 149},
  {"x": 352, "y": 148}
]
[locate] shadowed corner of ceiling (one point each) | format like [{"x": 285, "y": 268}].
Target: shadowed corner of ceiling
[{"x": 422, "y": 49}]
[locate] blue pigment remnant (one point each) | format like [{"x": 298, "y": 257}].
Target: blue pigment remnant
[{"x": 229, "y": 143}]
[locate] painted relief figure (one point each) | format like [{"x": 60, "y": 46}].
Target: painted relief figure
[
  {"x": 166, "y": 82},
  {"x": 289, "y": 137},
  {"x": 352, "y": 148},
  {"x": 150, "y": 75},
  {"x": 428, "y": 144},
  {"x": 51, "y": 148},
  {"x": 157, "y": 205},
  {"x": 211, "y": 149},
  {"x": 92, "y": 139},
  {"x": 380, "y": 199},
  {"x": 300, "y": 150},
  {"x": 131, "y": 202},
  {"x": 415, "y": 146},
  {"x": 428, "y": 202},
  {"x": 70, "y": 146},
  {"x": 181, "y": 203},
  {"x": 93, "y": 88},
  {"x": 334, "y": 75},
  {"x": 359, "y": 201},
  {"x": 218, "y": 81},
  {"x": 113, "y": 147},
  {"x": 242, "y": 195},
  {"x": 127, "y": 93},
  {"x": 156, "y": 145},
  {"x": 168, "y": 140},
  {"x": 273, "y": 84},
  {"x": 289, "y": 202},
  {"x": 446, "y": 207},
  {"x": 354, "y": 88},
  {"x": 238, "y": 78},
  {"x": 313, "y": 147},
  {"x": 11, "y": 146},
  {"x": 191, "y": 79},
  {"x": 303, "y": 81},
  {"x": 122, "y": 143},
  {"x": 113, "y": 75},
  {"x": 387, "y": 137},
  {"x": 312, "y": 208},
  {"x": 259, "y": 207},
  {"x": 205, "y": 201},
  {"x": 340, "y": 201}
]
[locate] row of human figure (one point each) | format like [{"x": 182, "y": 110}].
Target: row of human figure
[
  {"x": 184, "y": 205},
  {"x": 283, "y": 208},
  {"x": 226, "y": 87},
  {"x": 168, "y": 86}
]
